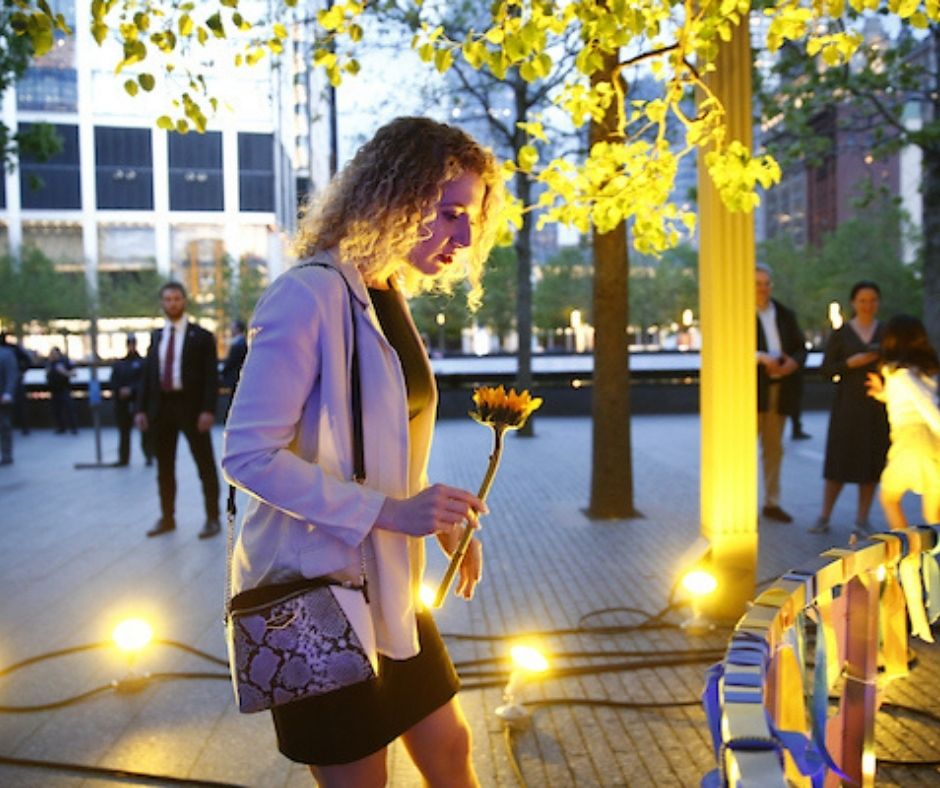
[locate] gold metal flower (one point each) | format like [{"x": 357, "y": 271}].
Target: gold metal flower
[{"x": 497, "y": 408}]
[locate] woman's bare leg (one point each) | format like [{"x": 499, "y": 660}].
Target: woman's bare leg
[
  {"x": 831, "y": 492},
  {"x": 440, "y": 747},
  {"x": 368, "y": 772},
  {"x": 891, "y": 503},
  {"x": 866, "y": 494}
]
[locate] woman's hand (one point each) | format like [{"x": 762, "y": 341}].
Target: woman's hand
[
  {"x": 438, "y": 509},
  {"x": 471, "y": 568}
]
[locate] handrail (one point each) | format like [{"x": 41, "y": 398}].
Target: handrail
[{"x": 767, "y": 700}]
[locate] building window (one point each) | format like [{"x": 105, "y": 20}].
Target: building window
[
  {"x": 196, "y": 171},
  {"x": 123, "y": 168},
  {"x": 256, "y": 172},
  {"x": 126, "y": 246},
  {"x": 198, "y": 259},
  {"x": 47, "y": 89},
  {"x": 61, "y": 242},
  {"x": 50, "y": 84},
  {"x": 55, "y": 183}
]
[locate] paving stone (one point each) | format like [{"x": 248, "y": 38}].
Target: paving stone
[{"x": 74, "y": 558}]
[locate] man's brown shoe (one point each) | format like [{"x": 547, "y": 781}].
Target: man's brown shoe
[
  {"x": 776, "y": 513},
  {"x": 163, "y": 526},
  {"x": 211, "y": 528}
]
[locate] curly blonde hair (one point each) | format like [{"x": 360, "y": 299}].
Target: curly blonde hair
[{"x": 376, "y": 210}]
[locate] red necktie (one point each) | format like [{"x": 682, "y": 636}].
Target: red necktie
[{"x": 166, "y": 383}]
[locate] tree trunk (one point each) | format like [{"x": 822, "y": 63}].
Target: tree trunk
[
  {"x": 611, "y": 463},
  {"x": 930, "y": 191},
  {"x": 523, "y": 246}
]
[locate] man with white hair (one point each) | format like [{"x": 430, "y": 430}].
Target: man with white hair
[{"x": 780, "y": 353}]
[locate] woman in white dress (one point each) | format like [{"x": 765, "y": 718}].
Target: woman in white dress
[{"x": 908, "y": 387}]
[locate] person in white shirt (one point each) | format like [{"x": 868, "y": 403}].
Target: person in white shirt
[
  {"x": 780, "y": 353},
  {"x": 908, "y": 387},
  {"x": 417, "y": 208}
]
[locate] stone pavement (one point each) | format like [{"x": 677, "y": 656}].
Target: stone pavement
[{"x": 74, "y": 559}]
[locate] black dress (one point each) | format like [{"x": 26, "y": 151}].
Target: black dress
[
  {"x": 353, "y": 722},
  {"x": 857, "y": 442}
]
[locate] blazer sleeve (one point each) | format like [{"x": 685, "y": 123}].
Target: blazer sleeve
[
  {"x": 792, "y": 339},
  {"x": 209, "y": 373},
  {"x": 150, "y": 375},
  {"x": 280, "y": 372}
]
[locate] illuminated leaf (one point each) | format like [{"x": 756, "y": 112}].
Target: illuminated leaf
[{"x": 131, "y": 87}]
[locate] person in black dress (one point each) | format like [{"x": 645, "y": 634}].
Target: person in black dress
[{"x": 857, "y": 442}]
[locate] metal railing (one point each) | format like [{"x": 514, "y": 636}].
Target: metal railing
[{"x": 768, "y": 701}]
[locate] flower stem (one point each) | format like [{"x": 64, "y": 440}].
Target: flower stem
[{"x": 457, "y": 558}]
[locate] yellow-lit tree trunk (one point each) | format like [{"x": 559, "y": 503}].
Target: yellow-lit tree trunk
[
  {"x": 611, "y": 464},
  {"x": 729, "y": 346}
]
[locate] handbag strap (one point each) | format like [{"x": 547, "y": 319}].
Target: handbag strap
[{"x": 359, "y": 463}]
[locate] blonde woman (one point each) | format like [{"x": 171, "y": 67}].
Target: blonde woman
[{"x": 416, "y": 208}]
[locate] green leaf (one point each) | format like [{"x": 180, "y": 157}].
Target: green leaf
[
  {"x": 443, "y": 60},
  {"x": 131, "y": 87},
  {"x": 214, "y": 23},
  {"x": 146, "y": 81},
  {"x": 186, "y": 25},
  {"x": 528, "y": 157},
  {"x": 165, "y": 122}
]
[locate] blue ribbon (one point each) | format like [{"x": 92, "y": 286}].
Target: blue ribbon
[{"x": 820, "y": 709}]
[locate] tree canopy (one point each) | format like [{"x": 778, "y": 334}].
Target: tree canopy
[{"x": 627, "y": 178}]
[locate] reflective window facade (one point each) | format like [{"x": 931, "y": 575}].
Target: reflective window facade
[
  {"x": 123, "y": 168},
  {"x": 55, "y": 183},
  {"x": 256, "y": 172},
  {"x": 195, "y": 162}
]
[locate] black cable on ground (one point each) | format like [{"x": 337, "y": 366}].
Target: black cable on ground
[
  {"x": 103, "y": 771},
  {"x": 583, "y": 670},
  {"x": 513, "y": 760},
  {"x": 62, "y": 652},
  {"x": 714, "y": 652},
  {"x": 128, "y": 684},
  {"x": 613, "y": 704}
]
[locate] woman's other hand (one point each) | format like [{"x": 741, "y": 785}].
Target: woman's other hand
[
  {"x": 438, "y": 509},
  {"x": 471, "y": 567},
  {"x": 861, "y": 359}
]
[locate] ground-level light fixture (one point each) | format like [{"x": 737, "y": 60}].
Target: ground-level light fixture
[
  {"x": 527, "y": 660},
  {"x": 132, "y": 635}
]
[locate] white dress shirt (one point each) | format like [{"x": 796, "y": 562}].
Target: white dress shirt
[{"x": 179, "y": 336}]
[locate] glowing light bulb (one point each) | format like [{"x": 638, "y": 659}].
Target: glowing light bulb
[
  {"x": 698, "y": 582},
  {"x": 426, "y": 595},
  {"x": 529, "y": 658},
  {"x": 132, "y": 634}
]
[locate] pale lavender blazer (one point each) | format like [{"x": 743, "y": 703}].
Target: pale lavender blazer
[{"x": 288, "y": 444}]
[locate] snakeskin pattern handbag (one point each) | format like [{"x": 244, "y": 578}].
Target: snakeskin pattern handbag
[{"x": 293, "y": 640}]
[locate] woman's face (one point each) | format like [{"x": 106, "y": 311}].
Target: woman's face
[
  {"x": 865, "y": 303},
  {"x": 452, "y": 229}
]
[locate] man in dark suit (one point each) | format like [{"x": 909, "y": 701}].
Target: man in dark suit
[
  {"x": 178, "y": 394},
  {"x": 127, "y": 374},
  {"x": 781, "y": 352},
  {"x": 232, "y": 366}
]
